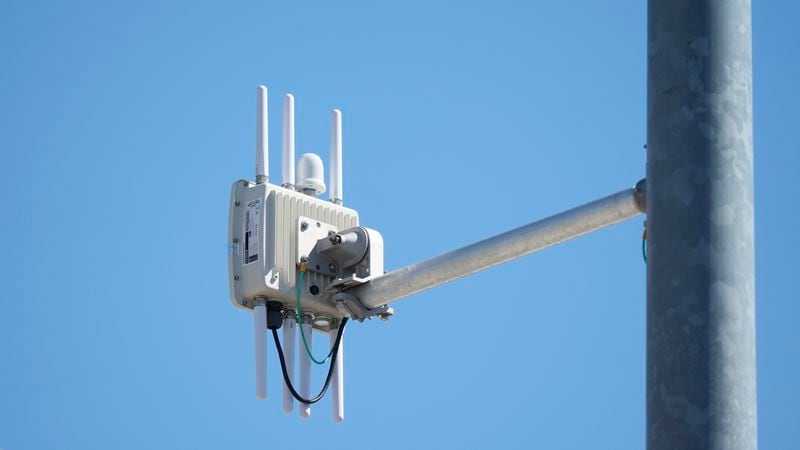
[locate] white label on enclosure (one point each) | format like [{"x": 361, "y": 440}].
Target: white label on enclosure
[{"x": 251, "y": 232}]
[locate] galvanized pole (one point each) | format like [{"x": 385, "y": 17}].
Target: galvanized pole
[{"x": 701, "y": 367}]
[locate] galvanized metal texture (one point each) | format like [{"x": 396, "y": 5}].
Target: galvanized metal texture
[
  {"x": 498, "y": 249},
  {"x": 701, "y": 360}
]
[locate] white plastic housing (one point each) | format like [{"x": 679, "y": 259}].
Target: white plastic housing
[
  {"x": 263, "y": 228},
  {"x": 311, "y": 173},
  {"x": 375, "y": 254}
]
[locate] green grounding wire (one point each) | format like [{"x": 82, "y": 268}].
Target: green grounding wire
[
  {"x": 644, "y": 245},
  {"x": 300, "y": 322}
]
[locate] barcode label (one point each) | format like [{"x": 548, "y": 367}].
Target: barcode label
[{"x": 251, "y": 231}]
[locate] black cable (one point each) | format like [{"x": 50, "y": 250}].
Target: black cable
[{"x": 330, "y": 370}]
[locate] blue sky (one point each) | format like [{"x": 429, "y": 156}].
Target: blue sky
[{"x": 123, "y": 124}]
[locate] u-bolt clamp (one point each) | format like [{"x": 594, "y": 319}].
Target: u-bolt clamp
[{"x": 350, "y": 306}]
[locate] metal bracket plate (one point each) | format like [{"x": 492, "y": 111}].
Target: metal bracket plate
[{"x": 309, "y": 231}]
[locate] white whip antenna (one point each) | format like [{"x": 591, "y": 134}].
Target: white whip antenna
[
  {"x": 337, "y": 396},
  {"x": 260, "y": 336},
  {"x": 289, "y": 333},
  {"x": 336, "y": 157},
  {"x": 288, "y": 141},
  {"x": 305, "y": 368},
  {"x": 262, "y": 137}
]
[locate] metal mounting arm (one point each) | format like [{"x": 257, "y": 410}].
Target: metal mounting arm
[{"x": 501, "y": 248}]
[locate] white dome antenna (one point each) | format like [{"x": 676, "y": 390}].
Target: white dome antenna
[{"x": 310, "y": 174}]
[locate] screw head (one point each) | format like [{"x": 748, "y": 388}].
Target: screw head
[
  {"x": 237, "y": 203},
  {"x": 236, "y": 277},
  {"x": 235, "y": 240}
]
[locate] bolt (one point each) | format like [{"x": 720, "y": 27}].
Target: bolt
[
  {"x": 236, "y": 278},
  {"x": 386, "y": 314},
  {"x": 237, "y": 203},
  {"x": 303, "y": 226}
]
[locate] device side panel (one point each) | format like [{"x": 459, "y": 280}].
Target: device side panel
[
  {"x": 235, "y": 244},
  {"x": 289, "y": 207}
]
